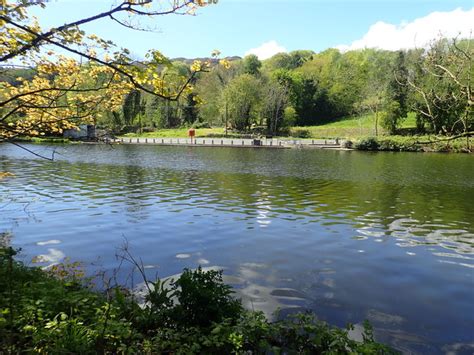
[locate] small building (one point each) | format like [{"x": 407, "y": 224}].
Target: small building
[{"x": 85, "y": 132}]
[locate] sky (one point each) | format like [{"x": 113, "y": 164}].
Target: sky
[{"x": 266, "y": 27}]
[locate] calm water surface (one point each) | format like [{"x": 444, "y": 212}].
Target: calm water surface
[{"x": 387, "y": 237}]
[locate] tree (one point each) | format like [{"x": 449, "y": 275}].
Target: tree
[
  {"x": 299, "y": 57},
  {"x": 240, "y": 99},
  {"x": 209, "y": 88},
  {"x": 274, "y": 103},
  {"x": 375, "y": 88},
  {"x": 132, "y": 107},
  {"x": 278, "y": 61},
  {"x": 396, "y": 105},
  {"x": 251, "y": 65},
  {"x": 65, "y": 91},
  {"x": 190, "y": 109},
  {"x": 289, "y": 61},
  {"x": 442, "y": 88}
]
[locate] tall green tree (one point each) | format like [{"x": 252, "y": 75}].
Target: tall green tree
[
  {"x": 190, "y": 109},
  {"x": 132, "y": 107},
  {"x": 375, "y": 85},
  {"x": 396, "y": 105},
  {"x": 240, "y": 101},
  {"x": 251, "y": 65},
  {"x": 274, "y": 102}
]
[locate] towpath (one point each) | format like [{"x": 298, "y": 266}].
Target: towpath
[{"x": 236, "y": 142}]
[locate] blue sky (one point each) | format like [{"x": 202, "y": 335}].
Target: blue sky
[{"x": 237, "y": 26}]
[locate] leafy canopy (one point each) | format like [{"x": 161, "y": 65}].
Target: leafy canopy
[{"x": 75, "y": 76}]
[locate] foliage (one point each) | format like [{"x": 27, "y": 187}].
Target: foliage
[
  {"x": 396, "y": 105},
  {"x": 58, "y": 92},
  {"x": 251, "y": 65},
  {"x": 57, "y": 312},
  {"x": 370, "y": 143},
  {"x": 96, "y": 82},
  {"x": 203, "y": 299},
  {"x": 301, "y": 133},
  {"x": 441, "y": 86},
  {"x": 274, "y": 105},
  {"x": 414, "y": 144},
  {"x": 239, "y": 101}
]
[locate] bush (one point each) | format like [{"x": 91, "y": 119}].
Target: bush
[
  {"x": 147, "y": 130},
  {"x": 370, "y": 143},
  {"x": 301, "y": 133},
  {"x": 198, "y": 125},
  {"x": 204, "y": 299},
  {"x": 348, "y": 144}
]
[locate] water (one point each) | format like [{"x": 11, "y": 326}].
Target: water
[{"x": 387, "y": 237}]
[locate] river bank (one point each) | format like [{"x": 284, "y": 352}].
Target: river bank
[{"x": 394, "y": 143}]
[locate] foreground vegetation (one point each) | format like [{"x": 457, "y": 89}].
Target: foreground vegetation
[{"x": 57, "y": 311}]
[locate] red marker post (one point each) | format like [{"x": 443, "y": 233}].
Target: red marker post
[{"x": 191, "y": 134}]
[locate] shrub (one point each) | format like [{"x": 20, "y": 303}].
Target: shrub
[
  {"x": 301, "y": 133},
  {"x": 204, "y": 299},
  {"x": 198, "y": 125},
  {"x": 348, "y": 144},
  {"x": 370, "y": 143}
]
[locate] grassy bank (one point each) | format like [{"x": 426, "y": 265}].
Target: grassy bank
[
  {"x": 180, "y": 133},
  {"x": 360, "y": 131},
  {"x": 349, "y": 127},
  {"x": 57, "y": 311}
]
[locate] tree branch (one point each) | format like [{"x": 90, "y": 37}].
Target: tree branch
[{"x": 32, "y": 152}]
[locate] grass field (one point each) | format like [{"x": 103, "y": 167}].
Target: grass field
[
  {"x": 178, "y": 133},
  {"x": 350, "y": 127}
]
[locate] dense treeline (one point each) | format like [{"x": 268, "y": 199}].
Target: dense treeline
[
  {"x": 306, "y": 88},
  {"x": 303, "y": 88}
]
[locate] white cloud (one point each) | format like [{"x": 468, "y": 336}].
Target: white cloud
[
  {"x": 417, "y": 33},
  {"x": 266, "y": 50}
]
